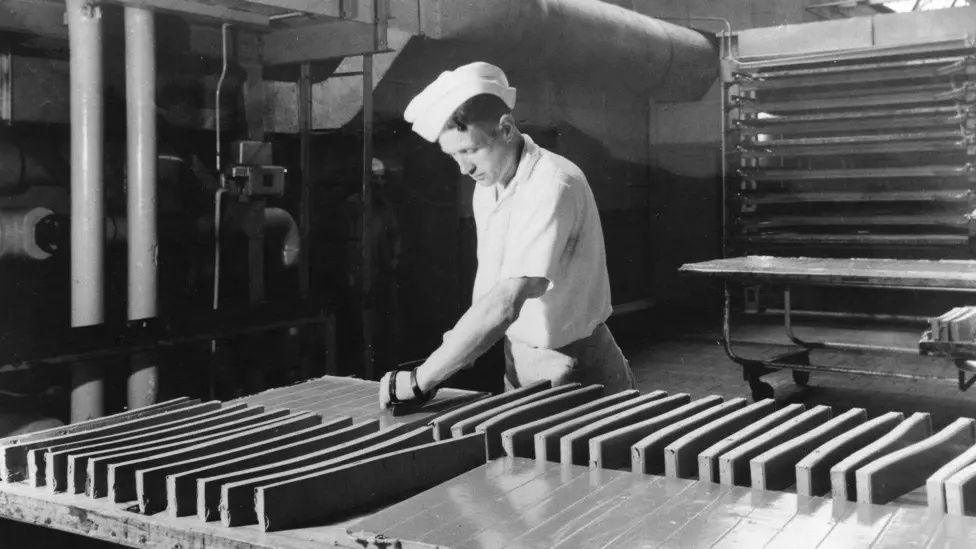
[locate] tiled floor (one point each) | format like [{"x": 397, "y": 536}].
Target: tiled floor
[{"x": 687, "y": 357}]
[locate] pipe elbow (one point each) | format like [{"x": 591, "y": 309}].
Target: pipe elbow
[
  {"x": 18, "y": 233},
  {"x": 291, "y": 246}
]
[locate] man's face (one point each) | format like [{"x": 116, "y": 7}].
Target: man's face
[{"x": 479, "y": 152}]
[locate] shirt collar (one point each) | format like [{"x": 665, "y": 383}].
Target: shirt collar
[{"x": 530, "y": 155}]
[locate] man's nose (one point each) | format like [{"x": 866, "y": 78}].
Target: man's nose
[{"x": 467, "y": 168}]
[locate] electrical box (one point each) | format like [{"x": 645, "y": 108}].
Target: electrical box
[
  {"x": 259, "y": 180},
  {"x": 252, "y": 174}
]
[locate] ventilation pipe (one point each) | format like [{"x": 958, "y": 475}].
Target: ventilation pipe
[
  {"x": 18, "y": 233},
  {"x": 277, "y": 218},
  {"x": 87, "y": 207},
  {"x": 578, "y": 41},
  {"x": 30, "y": 160},
  {"x": 140, "y": 92}
]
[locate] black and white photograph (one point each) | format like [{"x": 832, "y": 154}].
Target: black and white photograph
[{"x": 450, "y": 274}]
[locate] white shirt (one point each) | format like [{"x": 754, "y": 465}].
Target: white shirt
[{"x": 545, "y": 223}]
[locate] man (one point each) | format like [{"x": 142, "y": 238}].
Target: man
[{"x": 542, "y": 278}]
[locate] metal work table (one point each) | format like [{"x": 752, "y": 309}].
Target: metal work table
[
  {"x": 123, "y": 524},
  {"x": 516, "y": 502},
  {"x": 890, "y": 274}
]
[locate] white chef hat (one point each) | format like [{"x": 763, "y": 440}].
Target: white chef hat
[{"x": 430, "y": 109}]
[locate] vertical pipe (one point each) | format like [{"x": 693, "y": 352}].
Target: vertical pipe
[
  {"x": 87, "y": 391},
  {"x": 140, "y": 93},
  {"x": 367, "y": 200},
  {"x": 87, "y": 209},
  {"x": 305, "y": 204},
  {"x": 142, "y": 387},
  {"x": 304, "y": 209}
]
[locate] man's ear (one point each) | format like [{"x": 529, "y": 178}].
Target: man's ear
[{"x": 506, "y": 126}]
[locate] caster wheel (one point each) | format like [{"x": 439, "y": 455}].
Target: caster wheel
[
  {"x": 761, "y": 390},
  {"x": 801, "y": 377}
]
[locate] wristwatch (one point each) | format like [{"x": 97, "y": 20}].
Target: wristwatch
[{"x": 418, "y": 395}]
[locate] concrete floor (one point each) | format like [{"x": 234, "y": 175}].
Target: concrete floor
[{"x": 686, "y": 356}]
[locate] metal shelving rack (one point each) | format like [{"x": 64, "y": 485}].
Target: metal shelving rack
[{"x": 863, "y": 153}]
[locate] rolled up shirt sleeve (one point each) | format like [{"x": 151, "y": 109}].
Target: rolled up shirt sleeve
[{"x": 541, "y": 237}]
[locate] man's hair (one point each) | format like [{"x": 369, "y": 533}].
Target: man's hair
[{"x": 483, "y": 108}]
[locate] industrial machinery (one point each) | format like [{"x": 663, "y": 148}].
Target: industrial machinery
[{"x": 317, "y": 463}]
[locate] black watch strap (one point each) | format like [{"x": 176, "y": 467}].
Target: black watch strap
[
  {"x": 417, "y": 393},
  {"x": 392, "y": 387}
]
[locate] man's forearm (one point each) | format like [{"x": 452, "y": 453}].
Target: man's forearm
[{"x": 478, "y": 329}]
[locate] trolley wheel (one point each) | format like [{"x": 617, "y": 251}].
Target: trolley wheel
[
  {"x": 761, "y": 390},
  {"x": 801, "y": 377}
]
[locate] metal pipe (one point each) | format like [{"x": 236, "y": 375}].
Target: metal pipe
[
  {"x": 843, "y": 315},
  {"x": 18, "y": 233},
  {"x": 220, "y": 85},
  {"x": 140, "y": 91},
  {"x": 369, "y": 353},
  {"x": 142, "y": 387},
  {"x": 87, "y": 138},
  {"x": 305, "y": 159},
  {"x": 614, "y": 44},
  {"x": 87, "y": 390},
  {"x": 291, "y": 247},
  {"x": 87, "y": 191},
  {"x": 216, "y": 217},
  {"x": 218, "y": 166},
  {"x": 30, "y": 160}
]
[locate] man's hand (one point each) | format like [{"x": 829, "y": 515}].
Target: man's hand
[
  {"x": 404, "y": 393},
  {"x": 479, "y": 328}
]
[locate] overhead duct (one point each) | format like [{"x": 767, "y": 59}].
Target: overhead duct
[{"x": 584, "y": 41}]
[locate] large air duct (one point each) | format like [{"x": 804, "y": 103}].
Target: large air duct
[{"x": 583, "y": 41}]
